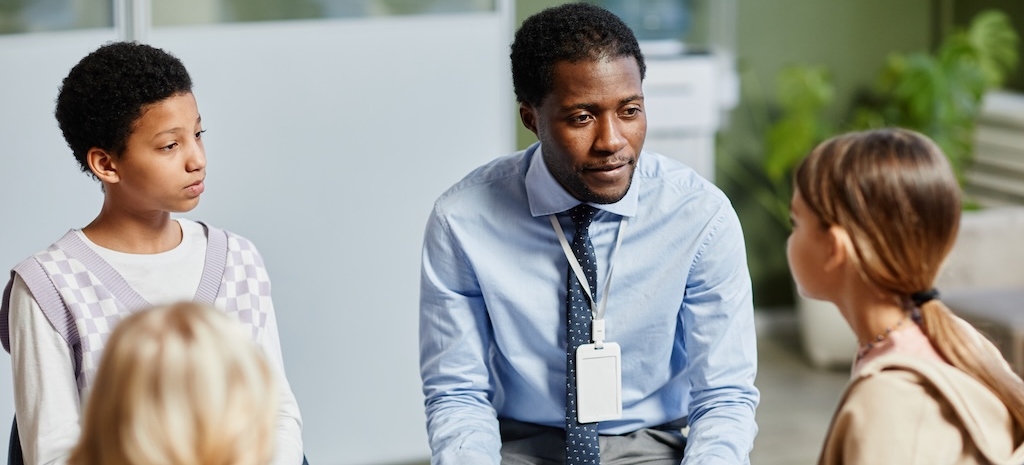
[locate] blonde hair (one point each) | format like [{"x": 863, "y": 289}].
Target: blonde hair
[
  {"x": 179, "y": 385},
  {"x": 893, "y": 191}
]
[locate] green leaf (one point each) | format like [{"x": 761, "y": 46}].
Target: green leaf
[
  {"x": 803, "y": 93},
  {"x": 804, "y": 88},
  {"x": 788, "y": 142},
  {"x": 994, "y": 41}
]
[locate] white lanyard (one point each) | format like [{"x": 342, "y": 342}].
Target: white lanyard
[{"x": 597, "y": 310}]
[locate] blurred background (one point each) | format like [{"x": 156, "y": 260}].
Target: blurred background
[{"x": 335, "y": 123}]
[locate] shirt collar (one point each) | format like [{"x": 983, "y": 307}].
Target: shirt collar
[{"x": 547, "y": 196}]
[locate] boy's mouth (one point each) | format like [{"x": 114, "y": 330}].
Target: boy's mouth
[{"x": 196, "y": 188}]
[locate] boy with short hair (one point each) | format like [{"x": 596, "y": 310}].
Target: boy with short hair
[{"x": 129, "y": 116}]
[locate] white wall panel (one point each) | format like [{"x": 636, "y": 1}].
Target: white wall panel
[{"x": 327, "y": 143}]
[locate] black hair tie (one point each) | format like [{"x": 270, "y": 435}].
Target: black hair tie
[{"x": 923, "y": 297}]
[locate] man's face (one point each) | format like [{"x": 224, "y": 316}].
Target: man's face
[{"x": 592, "y": 126}]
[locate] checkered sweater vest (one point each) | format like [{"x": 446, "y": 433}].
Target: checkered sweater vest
[{"x": 84, "y": 298}]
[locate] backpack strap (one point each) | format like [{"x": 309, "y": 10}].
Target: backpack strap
[
  {"x": 216, "y": 261},
  {"x": 49, "y": 300}
]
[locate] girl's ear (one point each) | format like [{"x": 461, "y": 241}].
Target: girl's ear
[
  {"x": 840, "y": 246},
  {"x": 103, "y": 164}
]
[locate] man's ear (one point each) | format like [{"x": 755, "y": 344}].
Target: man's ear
[
  {"x": 528, "y": 114},
  {"x": 840, "y": 247},
  {"x": 103, "y": 164}
]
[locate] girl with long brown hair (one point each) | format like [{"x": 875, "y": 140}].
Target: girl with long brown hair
[{"x": 874, "y": 215}]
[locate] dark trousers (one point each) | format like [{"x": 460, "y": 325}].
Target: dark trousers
[{"x": 531, "y": 444}]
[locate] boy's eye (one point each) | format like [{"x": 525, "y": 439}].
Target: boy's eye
[
  {"x": 199, "y": 135},
  {"x": 170, "y": 146}
]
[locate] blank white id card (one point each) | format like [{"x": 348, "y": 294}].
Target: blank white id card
[{"x": 598, "y": 383}]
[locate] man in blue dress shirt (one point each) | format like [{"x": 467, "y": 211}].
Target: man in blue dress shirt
[{"x": 494, "y": 274}]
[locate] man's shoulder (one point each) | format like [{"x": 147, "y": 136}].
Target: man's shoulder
[
  {"x": 678, "y": 177},
  {"x": 497, "y": 176}
]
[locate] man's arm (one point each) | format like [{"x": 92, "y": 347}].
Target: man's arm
[
  {"x": 46, "y": 399},
  {"x": 720, "y": 343},
  {"x": 455, "y": 336}
]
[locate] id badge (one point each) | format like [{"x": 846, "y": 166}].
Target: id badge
[{"x": 598, "y": 383}]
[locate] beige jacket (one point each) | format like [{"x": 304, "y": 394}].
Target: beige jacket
[{"x": 905, "y": 410}]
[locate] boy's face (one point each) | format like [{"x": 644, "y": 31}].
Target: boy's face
[
  {"x": 163, "y": 165},
  {"x": 591, "y": 126}
]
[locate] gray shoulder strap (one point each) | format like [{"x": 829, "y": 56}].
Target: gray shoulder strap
[
  {"x": 46, "y": 295},
  {"x": 213, "y": 270}
]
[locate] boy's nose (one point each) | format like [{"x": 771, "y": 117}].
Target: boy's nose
[{"x": 197, "y": 160}]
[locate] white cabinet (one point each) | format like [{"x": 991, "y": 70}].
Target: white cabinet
[{"x": 685, "y": 96}]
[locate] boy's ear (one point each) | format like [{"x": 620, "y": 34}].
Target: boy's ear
[
  {"x": 840, "y": 246},
  {"x": 528, "y": 114},
  {"x": 102, "y": 164}
]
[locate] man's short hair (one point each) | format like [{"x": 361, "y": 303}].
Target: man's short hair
[
  {"x": 105, "y": 93},
  {"x": 572, "y": 32}
]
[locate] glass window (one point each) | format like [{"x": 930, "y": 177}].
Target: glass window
[
  {"x": 17, "y": 16},
  {"x": 652, "y": 19},
  {"x": 181, "y": 12}
]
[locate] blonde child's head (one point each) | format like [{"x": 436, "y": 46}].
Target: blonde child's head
[{"x": 179, "y": 385}]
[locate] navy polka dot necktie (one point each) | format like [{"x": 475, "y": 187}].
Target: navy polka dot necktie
[{"x": 581, "y": 443}]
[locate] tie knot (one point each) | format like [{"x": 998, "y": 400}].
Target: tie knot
[{"x": 582, "y": 215}]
